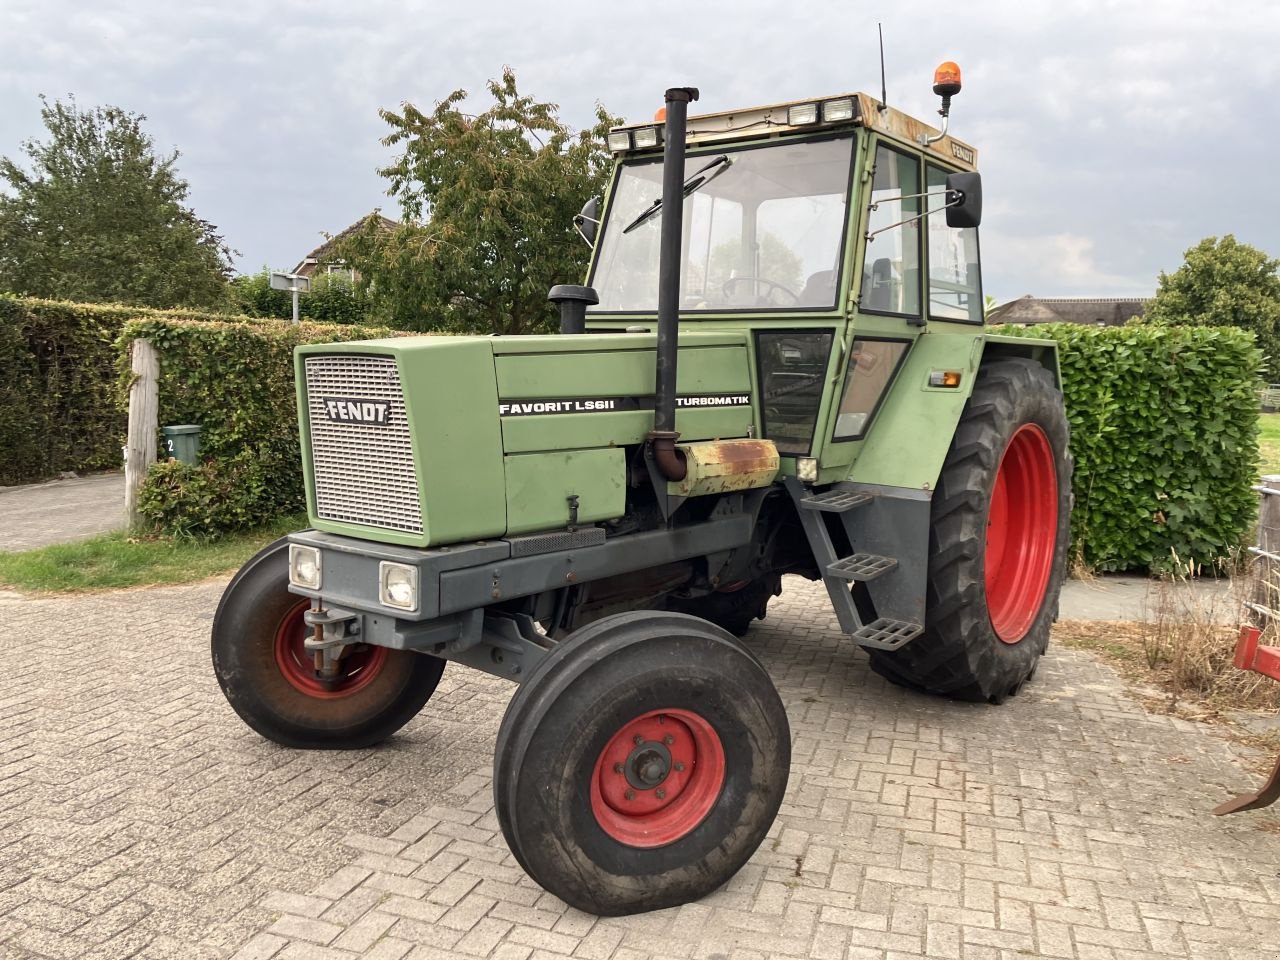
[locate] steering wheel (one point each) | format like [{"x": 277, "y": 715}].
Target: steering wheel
[{"x": 731, "y": 284}]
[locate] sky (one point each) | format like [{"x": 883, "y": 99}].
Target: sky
[{"x": 1102, "y": 128}]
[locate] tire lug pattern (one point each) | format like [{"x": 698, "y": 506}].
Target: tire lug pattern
[{"x": 959, "y": 654}]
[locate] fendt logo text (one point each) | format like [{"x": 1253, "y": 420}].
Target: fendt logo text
[{"x": 356, "y": 411}]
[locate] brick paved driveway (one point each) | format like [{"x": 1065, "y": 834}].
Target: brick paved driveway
[{"x": 138, "y": 817}]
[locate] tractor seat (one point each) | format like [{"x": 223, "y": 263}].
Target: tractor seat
[{"x": 819, "y": 290}]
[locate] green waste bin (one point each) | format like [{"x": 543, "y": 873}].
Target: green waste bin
[{"x": 182, "y": 442}]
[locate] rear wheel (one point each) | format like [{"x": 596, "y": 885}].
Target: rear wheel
[
  {"x": 641, "y": 763},
  {"x": 262, "y": 665},
  {"x": 998, "y": 543}
]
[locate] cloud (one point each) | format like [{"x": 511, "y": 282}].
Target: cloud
[
  {"x": 1111, "y": 134},
  {"x": 1058, "y": 264}
]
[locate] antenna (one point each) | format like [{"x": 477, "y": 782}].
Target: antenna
[{"x": 884, "y": 89}]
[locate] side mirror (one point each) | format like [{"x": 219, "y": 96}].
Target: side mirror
[
  {"x": 587, "y": 222},
  {"x": 964, "y": 199}
]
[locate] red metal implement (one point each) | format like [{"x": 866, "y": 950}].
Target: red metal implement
[{"x": 1251, "y": 654}]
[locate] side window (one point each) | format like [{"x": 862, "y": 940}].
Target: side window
[
  {"x": 955, "y": 281},
  {"x": 891, "y": 268},
  {"x": 872, "y": 366}
]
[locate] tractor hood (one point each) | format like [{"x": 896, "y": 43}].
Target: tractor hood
[{"x": 428, "y": 441}]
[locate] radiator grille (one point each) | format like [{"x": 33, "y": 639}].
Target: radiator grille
[{"x": 364, "y": 472}]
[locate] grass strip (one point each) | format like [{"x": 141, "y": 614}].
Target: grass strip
[{"x": 116, "y": 560}]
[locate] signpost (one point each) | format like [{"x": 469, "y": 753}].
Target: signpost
[{"x": 295, "y": 283}]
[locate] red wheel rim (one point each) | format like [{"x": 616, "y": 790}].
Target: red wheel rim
[
  {"x": 356, "y": 670},
  {"x": 657, "y": 778},
  {"x": 1022, "y": 532}
]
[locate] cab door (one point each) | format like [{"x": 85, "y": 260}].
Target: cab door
[{"x": 888, "y": 312}]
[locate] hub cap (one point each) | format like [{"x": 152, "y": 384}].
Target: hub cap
[
  {"x": 356, "y": 670},
  {"x": 657, "y": 778},
  {"x": 1022, "y": 532}
]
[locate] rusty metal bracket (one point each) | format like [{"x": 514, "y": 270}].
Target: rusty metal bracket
[
  {"x": 1268, "y": 794},
  {"x": 334, "y": 630},
  {"x": 333, "y": 627},
  {"x": 1251, "y": 654}
]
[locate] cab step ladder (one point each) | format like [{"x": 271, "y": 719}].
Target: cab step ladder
[{"x": 839, "y": 574}]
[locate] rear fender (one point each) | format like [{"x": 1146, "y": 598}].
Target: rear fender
[
  {"x": 903, "y": 455},
  {"x": 909, "y": 440},
  {"x": 997, "y": 346}
]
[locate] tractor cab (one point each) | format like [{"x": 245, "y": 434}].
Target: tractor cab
[
  {"x": 807, "y": 207},
  {"x": 835, "y": 230}
]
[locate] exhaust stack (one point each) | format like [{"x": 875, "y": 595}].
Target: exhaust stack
[{"x": 663, "y": 436}]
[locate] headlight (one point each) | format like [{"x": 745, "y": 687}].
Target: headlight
[
  {"x": 620, "y": 140},
  {"x": 802, "y": 113},
  {"x": 807, "y": 469},
  {"x": 398, "y": 585},
  {"x": 835, "y": 110},
  {"x": 304, "y": 566},
  {"x": 648, "y": 137}
]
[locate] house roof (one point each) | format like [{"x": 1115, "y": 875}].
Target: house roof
[
  {"x": 322, "y": 252},
  {"x": 1111, "y": 311}
]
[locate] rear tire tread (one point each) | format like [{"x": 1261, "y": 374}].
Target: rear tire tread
[{"x": 958, "y": 655}]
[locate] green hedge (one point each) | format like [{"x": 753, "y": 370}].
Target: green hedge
[
  {"x": 1164, "y": 432},
  {"x": 59, "y": 406},
  {"x": 1164, "y": 425},
  {"x": 235, "y": 380}
]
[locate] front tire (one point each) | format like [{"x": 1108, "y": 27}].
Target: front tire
[
  {"x": 266, "y": 675},
  {"x": 1000, "y": 526},
  {"x": 641, "y": 764}
]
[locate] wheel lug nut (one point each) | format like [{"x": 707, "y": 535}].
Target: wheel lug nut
[
  {"x": 637, "y": 739},
  {"x": 660, "y": 794},
  {"x": 679, "y": 768},
  {"x": 668, "y": 739},
  {"x": 630, "y": 794},
  {"x": 617, "y": 768}
]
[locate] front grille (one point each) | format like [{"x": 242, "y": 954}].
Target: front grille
[{"x": 364, "y": 471}]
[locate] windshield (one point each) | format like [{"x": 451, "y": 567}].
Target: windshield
[{"x": 763, "y": 229}]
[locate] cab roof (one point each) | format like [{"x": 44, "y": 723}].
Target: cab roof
[{"x": 773, "y": 119}]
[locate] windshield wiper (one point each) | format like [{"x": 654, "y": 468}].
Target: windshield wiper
[{"x": 697, "y": 181}]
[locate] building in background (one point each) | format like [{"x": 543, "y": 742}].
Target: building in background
[
  {"x": 1092, "y": 311},
  {"x": 322, "y": 260}
]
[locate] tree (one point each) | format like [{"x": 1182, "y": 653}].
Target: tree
[
  {"x": 101, "y": 217},
  {"x": 488, "y": 204},
  {"x": 1224, "y": 283}
]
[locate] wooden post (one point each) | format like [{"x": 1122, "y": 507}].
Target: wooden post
[{"x": 144, "y": 422}]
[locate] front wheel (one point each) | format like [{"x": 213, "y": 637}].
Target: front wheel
[
  {"x": 1000, "y": 525},
  {"x": 266, "y": 674},
  {"x": 641, "y": 763}
]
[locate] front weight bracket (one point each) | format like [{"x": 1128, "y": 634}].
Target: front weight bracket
[{"x": 334, "y": 630}]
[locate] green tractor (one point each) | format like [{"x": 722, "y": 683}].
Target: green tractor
[{"x": 778, "y": 366}]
